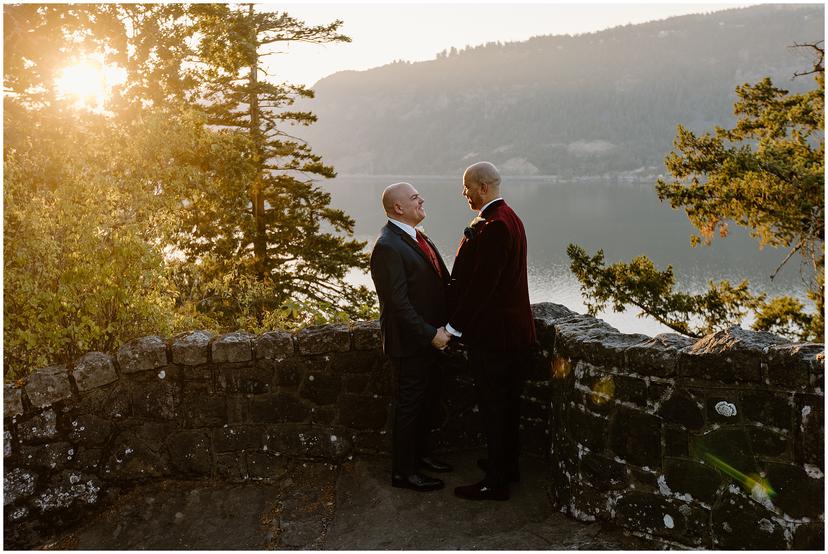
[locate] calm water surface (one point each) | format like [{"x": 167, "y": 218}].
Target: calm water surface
[{"x": 625, "y": 220}]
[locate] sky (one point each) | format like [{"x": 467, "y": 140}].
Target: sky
[{"x": 383, "y": 32}]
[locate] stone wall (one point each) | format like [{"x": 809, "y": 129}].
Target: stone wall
[
  {"x": 232, "y": 407},
  {"x": 714, "y": 443}
]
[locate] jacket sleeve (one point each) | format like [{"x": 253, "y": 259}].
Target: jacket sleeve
[
  {"x": 491, "y": 258},
  {"x": 389, "y": 277}
]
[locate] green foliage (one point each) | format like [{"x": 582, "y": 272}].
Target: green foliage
[
  {"x": 244, "y": 302},
  {"x": 785, "y": 316},
  {"x": 80, "y": 271},
  {"x": 148, "y": 40},
  {"x": 640, "y": 284},
  {"x": 766, "y": 174},
  {"x": 138, "y": 220},
  {"x": 262, "y": 230},
  {"x": 83, "y": 257}
]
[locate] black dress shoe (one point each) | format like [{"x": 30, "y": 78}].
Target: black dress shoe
[
  {"x": 416, "y": 482},
  {"x": 482, "y": 491},
  {"x": 483, "y": 463},
  {"x": 434, "y": 465}
]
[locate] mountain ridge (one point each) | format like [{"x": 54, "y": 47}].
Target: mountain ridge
[
  {"x": 548, "y": 36},
  {"x": 591, "y": 103}
]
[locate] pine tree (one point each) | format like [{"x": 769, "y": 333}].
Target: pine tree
[
  {"x": 766, "y": 174},
  {"x": 264, "y": 236}
]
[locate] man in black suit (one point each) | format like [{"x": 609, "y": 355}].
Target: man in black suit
[
  {"x": 411, "y": 279},
  {"x": 489, "y": 308}
]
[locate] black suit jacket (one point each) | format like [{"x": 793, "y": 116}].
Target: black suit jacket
[
  {"x": 412, "y": 296},
  {"x": 489, "y": 291}
]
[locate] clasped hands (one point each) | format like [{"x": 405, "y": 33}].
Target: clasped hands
[{"x": 441, "y": 339}]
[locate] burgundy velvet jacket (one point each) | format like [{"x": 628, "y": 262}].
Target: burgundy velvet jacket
[{"x": 489, "y": 293}]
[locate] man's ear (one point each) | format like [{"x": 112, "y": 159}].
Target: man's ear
[
  {"x": 484, "y": 188},
  {"x": 397, "y": 209}
]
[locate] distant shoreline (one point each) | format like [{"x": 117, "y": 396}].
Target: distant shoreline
[{"x": 616, "y": 178}]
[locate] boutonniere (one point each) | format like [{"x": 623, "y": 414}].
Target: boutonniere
[{"x": 471, "y": 231}]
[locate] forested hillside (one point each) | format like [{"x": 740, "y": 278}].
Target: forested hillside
[{"x": 566, "y": 105}]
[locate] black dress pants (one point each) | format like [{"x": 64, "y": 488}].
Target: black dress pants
[
  {"x": 416, "y": 394},
  {"x": 498, "y": 376}
]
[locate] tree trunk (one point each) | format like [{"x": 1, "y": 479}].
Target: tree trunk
[{"x": 257, "y": 194}]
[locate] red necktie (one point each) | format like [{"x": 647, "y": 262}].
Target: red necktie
[{"x": 429, "y": 252}]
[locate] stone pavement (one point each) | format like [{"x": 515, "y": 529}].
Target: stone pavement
[
  {"x": 351, "y": 507},
  {"x": 372, "y": 515}
]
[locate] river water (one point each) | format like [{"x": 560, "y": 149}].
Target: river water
[{"x": 623, "y": 219}]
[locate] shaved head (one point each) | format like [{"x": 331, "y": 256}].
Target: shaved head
[
  {"x": 483, "y": 173},
  {"x": 394, "y": 193},
  {"x": 402, "y": 202},
  {"x": 481, "y": 184}
]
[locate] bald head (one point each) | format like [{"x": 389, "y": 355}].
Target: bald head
[
  {"x": 483, "y": 173},
  {"x": 402, "y": 202},
  {"x": 393, "y": 193},
  {"x": 481, "y": 184}
]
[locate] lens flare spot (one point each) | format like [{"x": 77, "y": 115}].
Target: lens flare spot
[
  {"x": 561, "y": 367},
  {"x": 758, "y": 487},
  {"x": 603, "y": 390}
]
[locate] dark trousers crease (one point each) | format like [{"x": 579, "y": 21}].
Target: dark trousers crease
[
  {"x": 499, "y": 382},
  {"x": 417, "y": 389}
]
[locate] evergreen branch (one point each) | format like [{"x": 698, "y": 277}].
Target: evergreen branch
[
  {"x": 819, "y": 64},
  {"x": 793, "y": 251}
]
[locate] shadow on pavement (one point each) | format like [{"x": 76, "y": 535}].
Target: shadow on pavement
[
  {"x": 350, "y": 507},
  {"x": 372, "y": 515}
]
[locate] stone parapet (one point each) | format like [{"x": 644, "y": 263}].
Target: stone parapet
[
  {"x": 274, "y": 345},
  {"x": 233, "y": 347},
  {"x": 191, "y": 348},
  {"x": 47, "y": 386},
  {"x": 93, "y": 370},
  {"x": 142, "y": 354},
  {"x": 323, "y": 340},
  {"x": 233, "y": 406},
  {"x": 700, "y": 444},
  {"x": 693, "y": 443}
]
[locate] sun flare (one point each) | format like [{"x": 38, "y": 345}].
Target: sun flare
[{"x": 89, "y": 83}]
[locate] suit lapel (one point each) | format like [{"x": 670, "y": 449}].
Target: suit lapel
[
  {"x": 490, "y": 211},
  {"x": 463, "y": 241},
  {"x": 408, "y": 240},
  {"x": 413, "y": 244}
]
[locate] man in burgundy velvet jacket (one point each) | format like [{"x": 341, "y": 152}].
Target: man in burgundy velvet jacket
[{"x": 489, "y": 310}]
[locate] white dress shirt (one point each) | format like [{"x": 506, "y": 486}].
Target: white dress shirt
[{"x": 411, "y": 231}]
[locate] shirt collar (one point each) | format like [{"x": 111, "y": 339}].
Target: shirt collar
[
  {"x": 405, "y": 227},
  {"x": 483, "y": 209}
]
